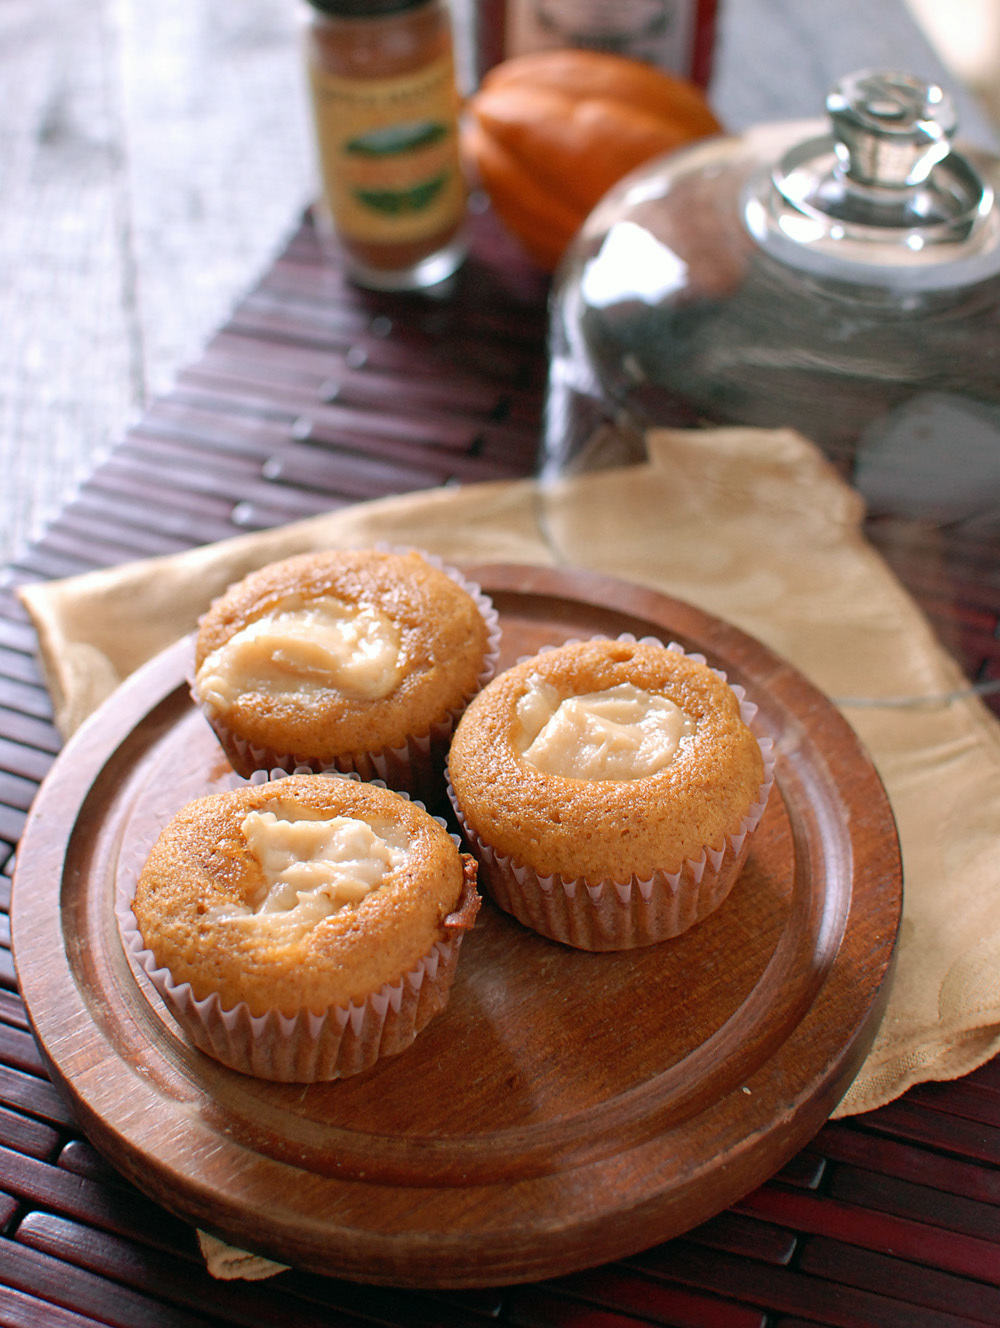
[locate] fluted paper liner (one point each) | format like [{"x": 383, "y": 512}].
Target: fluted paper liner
[
  {"x": 635, "y": 911},
  {"x": 309, "y": 1047}
]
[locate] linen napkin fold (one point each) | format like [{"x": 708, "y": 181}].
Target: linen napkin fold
[{"x": 751, "y": 525}]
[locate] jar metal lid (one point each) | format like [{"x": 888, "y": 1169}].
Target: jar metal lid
[{"x": 366, "y": 8}]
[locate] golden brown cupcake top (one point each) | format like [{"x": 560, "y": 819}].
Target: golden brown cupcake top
[
  {"x": 666, "y": 766},
  {"x": 339, "y": 652},
  {"x": 299, "y": 893}
]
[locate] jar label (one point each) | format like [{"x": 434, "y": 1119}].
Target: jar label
[
  {"x": 388, "y": 152},
  {"x": 673, "y": 34}
]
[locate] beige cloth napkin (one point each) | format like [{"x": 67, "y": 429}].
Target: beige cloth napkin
[{"x": 753, "y": 526}]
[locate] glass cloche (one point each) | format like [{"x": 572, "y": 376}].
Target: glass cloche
[{"x": 842, "y": 279}]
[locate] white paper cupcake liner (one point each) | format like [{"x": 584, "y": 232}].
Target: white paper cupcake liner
[
  {"x": 635, "y": 911},
  {"x": 414, "y": 766},
  {"x": 307, "y": 1046}
]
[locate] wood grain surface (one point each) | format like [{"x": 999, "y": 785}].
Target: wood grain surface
[{"x": 566, "y": 1108}]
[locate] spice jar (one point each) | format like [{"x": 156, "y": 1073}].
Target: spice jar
[{"x": 385, "y": 106}]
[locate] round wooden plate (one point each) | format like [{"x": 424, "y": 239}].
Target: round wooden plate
[{"x": 567, "y": 1108}]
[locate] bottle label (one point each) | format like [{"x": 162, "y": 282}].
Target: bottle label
[
  {"x": 388, "y": 152},
  {"x": 662, "y": 32}
]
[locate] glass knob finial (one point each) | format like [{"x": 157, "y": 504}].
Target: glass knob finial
[
  {"x": 882, "y": 196},
  {"x": 890, "y": 129}
]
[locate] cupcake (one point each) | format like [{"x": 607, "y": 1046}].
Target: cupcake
[
  {"x": 301, "y": 928},
  {"x": 609, "y": 789},
  {"x": 355, "y": 660}
]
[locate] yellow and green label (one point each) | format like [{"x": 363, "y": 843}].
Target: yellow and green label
[{"x": 388, "y": 152}]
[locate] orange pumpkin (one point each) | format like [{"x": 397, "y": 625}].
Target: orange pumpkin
[{"x": 550, "y": 132}]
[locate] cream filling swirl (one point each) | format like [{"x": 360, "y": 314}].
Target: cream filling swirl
[
  {"x": 305, "y": 647},
  {"x": 312, "y": 868},
  {"x": 621, "y": 733}
]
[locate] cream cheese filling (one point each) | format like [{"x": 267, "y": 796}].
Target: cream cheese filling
[
  {"x": 621, "y": 733},
  {"x": 304, "y": 647},
  {"x": 313, "y": 867}
]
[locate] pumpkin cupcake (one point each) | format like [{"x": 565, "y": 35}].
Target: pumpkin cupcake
[
  {"x": 609, "y": 789},
  {"x": 356, "y": 660},
  {"x": 301, "y": 928}
]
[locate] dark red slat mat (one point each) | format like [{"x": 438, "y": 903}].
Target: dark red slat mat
[
  {"x": 794, "y": 1291},
  {"x": 53, "y": 1280},
  {"x": 912, "y": 1238},
  {"x": 24, "y": 1135},
  {"x": 903, "y": 1281},
  {"x": 315, "y": 395},
  {"x": 8, "y": 978},
  {"x": 844, "y": 1141},
  {"x": 12, "y": 1009},
  {"x": 36, "y": 1098},
  {"x": 20, "y": 1310},
  {"x": 945, "y": 1131}
]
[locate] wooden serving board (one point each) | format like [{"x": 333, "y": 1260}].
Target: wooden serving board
[{"x": 567, "y": 1108}]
